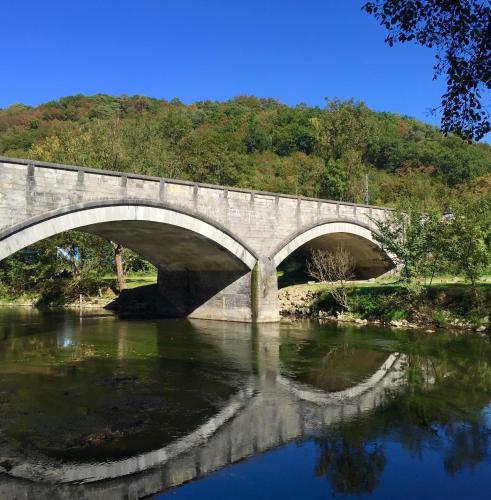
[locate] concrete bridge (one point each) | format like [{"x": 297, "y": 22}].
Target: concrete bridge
[
  {"x": 216, "y": 248},
  {"x": 270, "y": 410}
]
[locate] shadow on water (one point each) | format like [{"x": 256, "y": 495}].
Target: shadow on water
[{"x": 102, "y": 408}]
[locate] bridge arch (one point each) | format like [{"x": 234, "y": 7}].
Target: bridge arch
[
  {"x": 371, "y": 260},
  {"x": 204, "y": 270},
  {"x": 90, "y": 216}
]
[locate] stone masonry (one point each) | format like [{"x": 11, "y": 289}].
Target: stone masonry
[{"x": 216, "y": 248}]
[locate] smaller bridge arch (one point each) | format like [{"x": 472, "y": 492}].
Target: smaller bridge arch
[{"x": 371, "y": 261}]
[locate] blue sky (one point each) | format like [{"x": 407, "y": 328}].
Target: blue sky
[{"x": 292, "y": 50}]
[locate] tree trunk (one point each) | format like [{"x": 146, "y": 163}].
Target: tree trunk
[{"x": 118, "y": 260}]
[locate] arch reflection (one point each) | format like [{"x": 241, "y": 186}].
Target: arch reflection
[{"x": 268, "y": 410}]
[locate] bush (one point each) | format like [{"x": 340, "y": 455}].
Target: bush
[
  {"x": 386, "y": 304},
  {"x": 441, "y": 317}
]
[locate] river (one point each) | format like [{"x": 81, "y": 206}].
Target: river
[{"x": 95, "y": 407}]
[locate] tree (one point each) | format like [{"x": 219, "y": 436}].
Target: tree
[
  {"x": 257, "y": 139},
  {"x": 334, "y": 268},
  {"x": 343, "y": 131},
  {"x": 427, "y": 244},
  {"x": 460, "y": 31},
  {"x": 118, "y": 262},
  {"x": 62, "y": 267},
  {"x": 125, "y": 260},
  {"x": 467, "y": 237},
  {"x": 408, "y": 236}
]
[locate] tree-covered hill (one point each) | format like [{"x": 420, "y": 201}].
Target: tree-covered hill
[{"x": 254, "y": 143}]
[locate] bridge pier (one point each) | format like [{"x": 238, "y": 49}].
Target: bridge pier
[
  {"x": 264, "y": 292},
  {"x": 220, "y": 295}
]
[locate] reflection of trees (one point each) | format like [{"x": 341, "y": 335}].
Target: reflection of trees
[
  {"x": 448, "y": 383},
  {"x": 469, "y": 446},
  {"x": 352, "y": 466}
]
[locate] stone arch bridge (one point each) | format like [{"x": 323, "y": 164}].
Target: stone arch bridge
[{"x": 216, "y": 248}]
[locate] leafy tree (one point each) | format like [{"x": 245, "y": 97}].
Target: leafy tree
[
  {"x": 257, "y": 139},
  {"x": 125, "y": 261},
  {"x": 213, "y": 155},
  {"x": 334, "y": 181},
  {"x": 62, "y": 267},
  {"x": 460, "y": 31},
  {"x": 408, "y": 237},
  {"x": 467, "y": 237},
  {"x": 425, "y": 244},
  {"x": 343, "y": 127}
]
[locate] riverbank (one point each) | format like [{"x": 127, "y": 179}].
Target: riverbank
[
  {"x": 442, "y": 305},
  {"x": 455, "y": 306},
  {"x": 106, "y": 295}
]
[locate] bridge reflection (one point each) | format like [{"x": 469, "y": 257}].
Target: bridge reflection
[{"x": 273, "y": 408}]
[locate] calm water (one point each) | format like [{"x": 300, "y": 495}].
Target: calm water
[{"x": 95, "y": 407}]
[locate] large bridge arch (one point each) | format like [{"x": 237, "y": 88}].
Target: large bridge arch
[
  {"x": 204, "y": 270},
  {"x": 371, "y": 261},
  {"x": 87, "y": 216}
]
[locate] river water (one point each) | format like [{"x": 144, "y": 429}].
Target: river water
[{"x": 95, "y": 407}]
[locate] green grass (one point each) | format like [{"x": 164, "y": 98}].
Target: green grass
[
  {"x": 133, "y": 280},
  {"x": 140, "y": 280},
  {"x": 294, "y": 278},
  {"x": 442, "y": 303}
]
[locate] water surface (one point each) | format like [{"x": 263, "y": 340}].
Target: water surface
[{"x": 96, "y": 407}]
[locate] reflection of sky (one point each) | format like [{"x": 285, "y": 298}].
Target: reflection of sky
[
  {"x": 289, "y": 473},
  {"x": 487, "y": 417},
  {"x": 65, "y": 336}
]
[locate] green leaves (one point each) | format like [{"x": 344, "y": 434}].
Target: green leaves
[
  {"x": 459, "y": 30},
  {"x": 428, "y": 244}
]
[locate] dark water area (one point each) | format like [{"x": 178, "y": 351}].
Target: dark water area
[{"x": 96, "y": 407}]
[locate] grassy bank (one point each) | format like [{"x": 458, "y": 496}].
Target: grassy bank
[
  {"x": 107, "y": 294},
  {"x": 448, "y": 302},
  {"x": 439, "y": 305}
]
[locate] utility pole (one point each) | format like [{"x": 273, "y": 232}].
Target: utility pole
[{"x": 366, "y": 190}]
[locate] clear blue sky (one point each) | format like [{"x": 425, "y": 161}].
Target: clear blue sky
[{"x": 292, "y": 50}]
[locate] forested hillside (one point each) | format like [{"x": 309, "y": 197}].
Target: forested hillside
[{"x": 253, "y": 143}]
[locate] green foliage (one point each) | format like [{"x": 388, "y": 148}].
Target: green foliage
[
  {"x": 459, "y": 32},
  {"x": 378, "y": 303},
  {"x": 410, "y": 238},
  {"x": 386, "y": 304},
  {"x": 265, "y": 145},
  {"x": 441, "y": 305},
  {"x": 467, "y": 237},
  {"x": 59, "y": 268},
  {"x": 249, "y": 142},
  {"x": 426, "y": 244}
]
